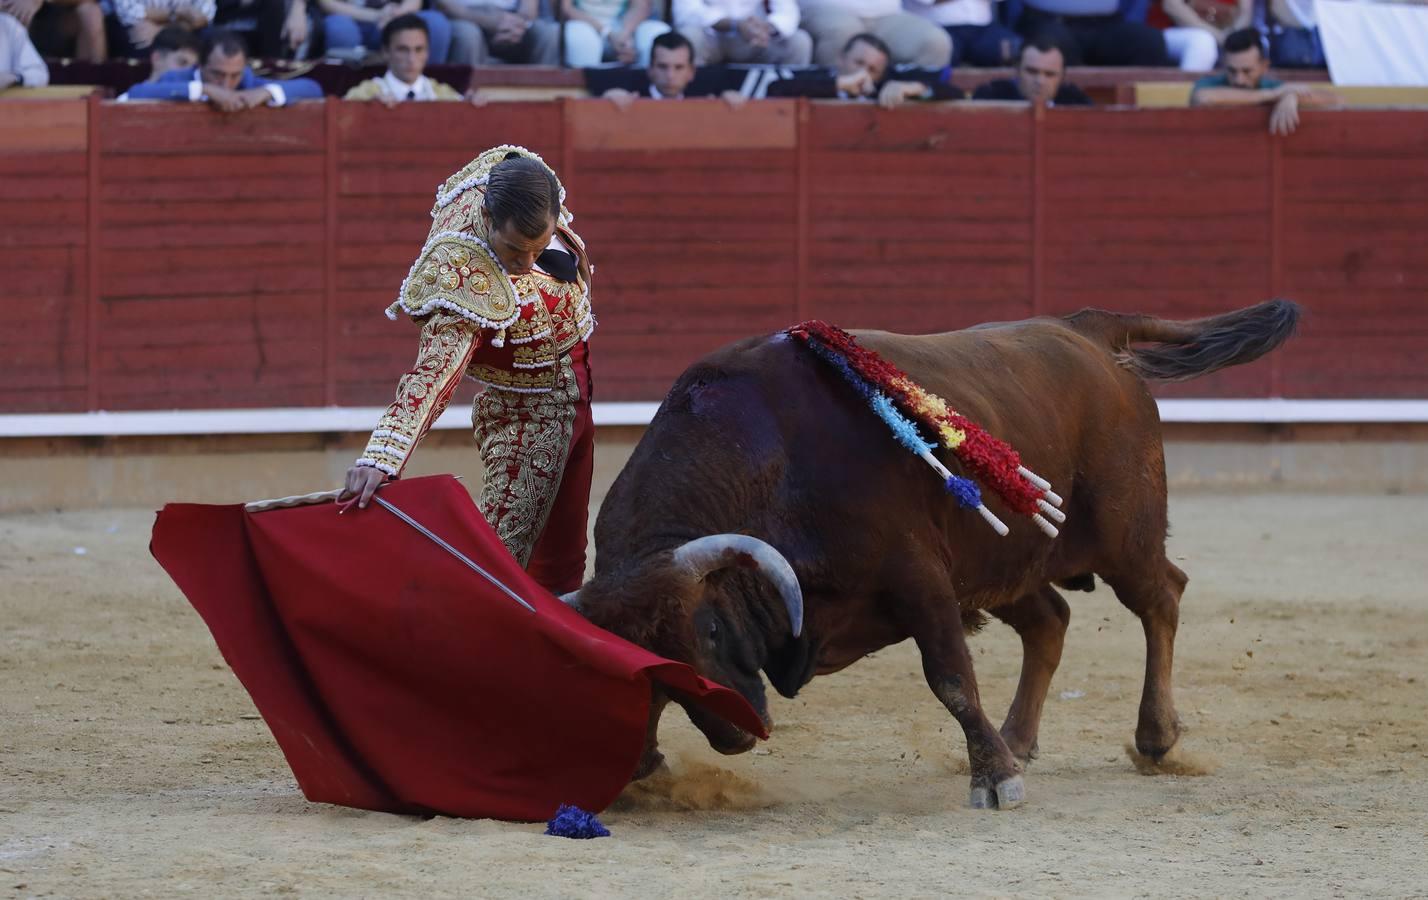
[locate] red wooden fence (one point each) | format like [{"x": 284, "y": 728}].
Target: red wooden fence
[{"x": 168, "y": 257}]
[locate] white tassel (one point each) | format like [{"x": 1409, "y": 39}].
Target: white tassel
[
  {"x": 1045, "y": 526},
  {"x": 1034, "y": 478},
  {"x": 998, "y": 525},
  {"x": 1052, "y": 512},
  {"x": 1051, "y": 497}
]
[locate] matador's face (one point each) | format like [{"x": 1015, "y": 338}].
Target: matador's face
[{"x": 517, "y": 251}]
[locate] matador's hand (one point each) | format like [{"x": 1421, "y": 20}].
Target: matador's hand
[{"x": 362, "y": 483}]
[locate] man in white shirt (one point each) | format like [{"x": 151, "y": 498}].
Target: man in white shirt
[
  {"x": 913, "y": 40},
  {"x": 744, "y": 31},
  {"x": 20, "y": 62},
  {"x": 978, "y": 39}
]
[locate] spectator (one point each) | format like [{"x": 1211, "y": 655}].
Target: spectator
[
  {"x": 670, "y": 76},
  {"x": 272, "y": 29},
  {"x": 63, "y": 28},
  {"x": 508, "y": 30},
  {"x": 1195, "y": 29},
  {"x": 1245, "y": 81},
  {"x": 618, "y": 30},
  {"x": 1294, "y": 35},
  {"x": 1040, "y": 78},
  {"x": 357, "y": 25},
  {"x": 142, "y": 20},
  {"x": 405, "y": 43},
  {"x": 977, "y": 37},
  {"x": 1094, "y": 32},
  {"x": 913, "y": 40},
  {"x": 863, "y": 73},
  {"x": 174, "y": 47},
  {"x": 20, "y": 62},
  {"x": 223, "y": 80},
  {"x": 744, "y": 31}
]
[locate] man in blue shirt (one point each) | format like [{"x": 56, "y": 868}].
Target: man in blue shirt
[
  {"x": 223, "y": 79},
  {"x": 1245, "y": 81}
]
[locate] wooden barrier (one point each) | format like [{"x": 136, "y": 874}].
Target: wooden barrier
[{"x": 158, "y": 257}]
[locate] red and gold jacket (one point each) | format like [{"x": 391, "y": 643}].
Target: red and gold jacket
[{"x": 505, "y": 332}]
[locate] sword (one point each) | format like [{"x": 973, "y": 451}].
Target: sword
[
  {"x": 436, "y": 539},
  {"x": 325, "y": 496}
]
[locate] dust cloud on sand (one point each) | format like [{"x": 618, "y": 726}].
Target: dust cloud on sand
[{"x": 132, "y": 764}]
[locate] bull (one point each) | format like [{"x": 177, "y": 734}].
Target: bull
[{"x": 767, "y": 522}]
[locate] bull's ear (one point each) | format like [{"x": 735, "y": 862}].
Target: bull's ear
[{"x": 791, "y": 665}]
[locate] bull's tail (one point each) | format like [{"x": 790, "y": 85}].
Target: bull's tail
[{"x": 1189, "y": 349}]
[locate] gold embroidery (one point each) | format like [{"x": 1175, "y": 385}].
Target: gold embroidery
[
  {"x": 525, "y": 442},
  {"x": 455, "y": 272},
  {"x": 447, "y": 343}
]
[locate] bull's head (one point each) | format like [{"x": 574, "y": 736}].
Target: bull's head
[{"x": 687, "y": 605}]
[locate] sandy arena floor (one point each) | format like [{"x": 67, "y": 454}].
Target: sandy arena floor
[{"x": 132, "y": 763}]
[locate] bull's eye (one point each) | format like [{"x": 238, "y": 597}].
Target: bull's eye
[{"x": 714, "y": 630}]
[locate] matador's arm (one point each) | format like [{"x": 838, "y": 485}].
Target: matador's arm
[{"x": 447, "y": 343}]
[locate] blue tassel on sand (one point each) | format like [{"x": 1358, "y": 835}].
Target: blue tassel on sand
[{"x": 574, "y": 822}]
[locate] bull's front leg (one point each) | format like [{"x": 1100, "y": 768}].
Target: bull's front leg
[
  {"x": 936, "y": 625},
  {"x": 651, "y": 760}
]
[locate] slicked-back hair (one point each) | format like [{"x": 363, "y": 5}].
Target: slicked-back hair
[{"x": 524, "y": 193}]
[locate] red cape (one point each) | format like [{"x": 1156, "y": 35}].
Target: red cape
[{"x": 395, "y": 678}]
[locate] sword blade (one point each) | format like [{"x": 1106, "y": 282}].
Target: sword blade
[{"x": 436, "y": 539}]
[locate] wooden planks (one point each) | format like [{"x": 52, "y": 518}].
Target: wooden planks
[
  {"x": 920, "y": 219},
  {"x": 692, "y": 248},
  {"x": 44, "y": 194},
  {"x": 1355, "y": 222},
  {"x": 210, "y": 253},
  {"x": 246, "y": 260}
]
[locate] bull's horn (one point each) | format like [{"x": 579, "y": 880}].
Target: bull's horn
[
  {"x": 720, "y": 551},
  {"x": 572, "y": 599}
]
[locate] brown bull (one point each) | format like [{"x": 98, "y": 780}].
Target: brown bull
[{"x": 767, "y": 521}]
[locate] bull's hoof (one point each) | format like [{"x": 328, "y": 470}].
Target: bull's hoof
[
  {"x": 1008, "y": 794},
  {"x": 652, "y": 761},
  {"x": 1155, "y": 740}
]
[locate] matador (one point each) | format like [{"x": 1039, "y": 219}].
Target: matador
[{"x": 501, "y": 290}]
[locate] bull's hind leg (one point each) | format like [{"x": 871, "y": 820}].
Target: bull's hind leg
[
  {"x": 934, "y": 621},
  {"x": 1040, "y": 619},
  {"x": 1153, "y": 593}
]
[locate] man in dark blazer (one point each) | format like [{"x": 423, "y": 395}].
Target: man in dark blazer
[
  {"x": 1040, "y": 78},
  {"x": 865, "y": 72},
  {"x": 671, "y": 76},
  {"x": 224, "y": 80}
]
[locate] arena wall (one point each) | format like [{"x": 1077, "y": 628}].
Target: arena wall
[
  {"x": 167, "y": 258},
  {"x": 164, "y": 257}
]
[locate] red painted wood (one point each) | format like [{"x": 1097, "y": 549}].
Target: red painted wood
[
  {"x": 92, "y": 270},
  {"x": 247, "y": 261},
  {"x": 331, "y": 189}
]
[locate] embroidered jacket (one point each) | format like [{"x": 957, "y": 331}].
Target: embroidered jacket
[{"x": 505, "y": 332}]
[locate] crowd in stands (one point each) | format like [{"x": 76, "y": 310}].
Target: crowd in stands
[
  {"x": 888, "y": 51},
  {"x": 927, "y": 34}
]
